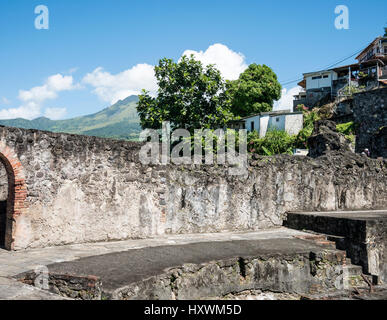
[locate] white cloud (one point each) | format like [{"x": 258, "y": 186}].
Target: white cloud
[
  {"x": 55, "y": 113},
  {"x": 29, "y": 110},
  {"x": 60, "y": 83},
  {"x": 37, "y": 94},
  {"x": 286, "y": 101},
  {"x": 49, "y": 90},
  {"x": 113, "y": 87},
  {"x": 34, "y": 98},
  {"x": 230, "y": 63}
]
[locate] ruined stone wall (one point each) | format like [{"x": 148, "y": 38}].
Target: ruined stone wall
[
  {"x": 84, "y": 189},
  {"x": 370, "y": 113}
]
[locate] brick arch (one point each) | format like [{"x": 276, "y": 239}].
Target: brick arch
[{"x": 17, "y": 191}]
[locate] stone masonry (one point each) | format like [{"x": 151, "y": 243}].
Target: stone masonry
[
  {"x": 68, "y": 189},
  {"x": 370, "y": 114}
]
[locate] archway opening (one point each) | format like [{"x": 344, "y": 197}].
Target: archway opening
[
  {"x": 13, "y": 202},
  {"x": 4, "y": 191}
]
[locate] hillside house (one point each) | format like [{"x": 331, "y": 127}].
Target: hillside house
[
  {"x": 284, "y": 120},
  {"x": 369, "y": 72}
]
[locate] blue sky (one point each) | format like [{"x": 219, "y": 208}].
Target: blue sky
[{"x": 47, "y": 72}]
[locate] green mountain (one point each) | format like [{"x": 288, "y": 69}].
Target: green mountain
[{"x": 119, "y": 121}]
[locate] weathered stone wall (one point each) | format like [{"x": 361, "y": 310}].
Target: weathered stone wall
[
  {"x": 312, "y": 273},
  {"x": 379, "y": 143},
  {"x": 3, "y": 183},
  {"x": 74, "y": 287},
  {"x": 314, "y": 98},
  {"x": 84, "y": 189},
  {"x": 370, "y": 113}
]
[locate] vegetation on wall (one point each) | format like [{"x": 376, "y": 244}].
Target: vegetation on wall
[
  {"x": 348, "y": 129},
  {"x": 349, "y": 91},
  {"x": 310, "y": 116}
]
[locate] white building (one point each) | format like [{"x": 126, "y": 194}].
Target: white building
[
  {"x": 291, "y": 122},
  {"x": 320, "y": 79},
  {"x": 324, "y": 86}
]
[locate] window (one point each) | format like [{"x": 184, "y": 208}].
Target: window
[
  {"x": 315, "y": 78},
  {"x": 326, "y": 76},
  {"x": 277, "y": 119},
  {"x": 385, "y": 50},
  {"x": 252, "y": 125}
]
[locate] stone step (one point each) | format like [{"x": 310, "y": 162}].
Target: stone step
[
  {"x": 361, "y": 234},
  {"x": 340, "y": 242},
  {"x": 352, "y": 270},
  {"x": 326, "y": 243},
  {"x": 354, "y": 277},
  {"x": 320, "y": 239},
  {"x": 312, "y": 236}
]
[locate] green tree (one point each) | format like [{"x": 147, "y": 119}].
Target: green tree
[
  {"x": 254, "y": 91},
  {"x": 190, "y": 96}
]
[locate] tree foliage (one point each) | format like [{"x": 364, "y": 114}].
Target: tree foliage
[
  {"x": 190, "y": 96},
  {"x": 254, "y": 91}
]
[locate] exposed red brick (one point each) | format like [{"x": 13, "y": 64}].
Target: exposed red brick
[{"x": 16, "y": 180}]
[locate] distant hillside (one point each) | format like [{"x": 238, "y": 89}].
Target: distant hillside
[{"x": 120, "y": 121}]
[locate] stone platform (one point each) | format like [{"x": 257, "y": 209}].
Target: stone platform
[
  {"x": 362, "y": 234},
  {"x": 203, "y": 269},
  {"x": 192, "y": 266},
  {"x": 119, "y": 265},
  {"x": 188, "y": 266}
]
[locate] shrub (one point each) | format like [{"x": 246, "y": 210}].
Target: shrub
[
  {"x": 349, "y": 130},
  {"x": 301, "y": 140},
  {"x": 275, "y": 142},
  {"x": 346, "y": 128}
]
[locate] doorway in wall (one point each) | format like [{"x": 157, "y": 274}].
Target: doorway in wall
[{"x": 3, "y": 203}]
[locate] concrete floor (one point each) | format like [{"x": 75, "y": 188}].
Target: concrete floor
[{"x": 14, "y": 263}]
